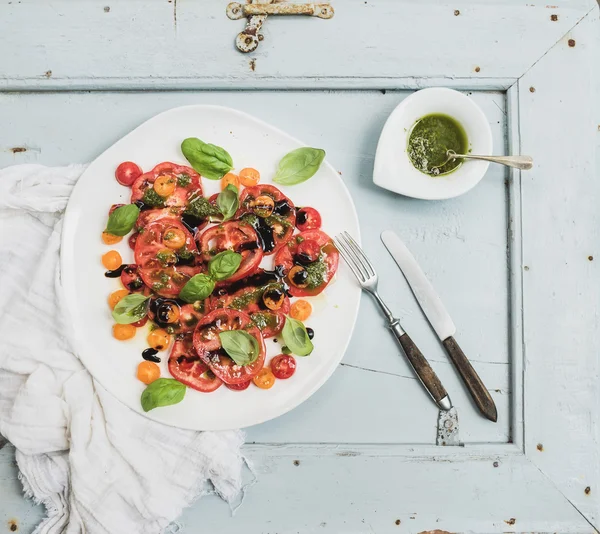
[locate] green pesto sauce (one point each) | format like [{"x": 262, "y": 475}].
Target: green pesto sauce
[
  {"x": 317, "y": 271},
  {"x": 430, "y": 138},
  {"x": 183, "y": 180},
  {"x": 153, "y": 199},
  {"x": 201, "y": 208},
  {"x": 263, "y": 320}
]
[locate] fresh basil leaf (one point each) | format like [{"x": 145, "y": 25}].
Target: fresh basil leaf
[
  {"x": 299, "y": 165},
  {"x": 162, "y": 392},
  {"x": 122, "y": 220},
  {"x": 131, "y": 308},
  {"x": 211, "y": 161},
  {"x": 240, "y": 346},
  {"x": 198, "y": 287},
  {"x": 285, "y": 350},
  {"x": 224, "y": 264},
  {"x": 228, "y": 202},
  {"x": 296, "y": 337}
]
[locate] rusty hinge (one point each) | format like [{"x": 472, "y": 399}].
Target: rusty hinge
[{"x": 257, "y": 11}]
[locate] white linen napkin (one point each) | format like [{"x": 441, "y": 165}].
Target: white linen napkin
[{"x": 96, "y": 465}]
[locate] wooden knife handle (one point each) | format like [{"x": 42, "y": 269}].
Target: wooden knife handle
[
  {"x": 421, "y": 366},
  {"x": 476, "y": 387}
]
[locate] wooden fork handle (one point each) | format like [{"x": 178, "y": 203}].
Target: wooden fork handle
[{"x": 422, "y": 369}]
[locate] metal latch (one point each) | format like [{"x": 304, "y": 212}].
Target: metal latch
[{"x": 257, "y": 12}]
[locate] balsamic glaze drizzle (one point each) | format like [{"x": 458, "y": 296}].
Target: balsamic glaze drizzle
[{"x": 116, "y": 272}]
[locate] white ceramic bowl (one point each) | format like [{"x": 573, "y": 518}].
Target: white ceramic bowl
[{"x": 393, "y": 168}]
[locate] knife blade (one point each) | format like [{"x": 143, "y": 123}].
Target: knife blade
[{"x": 440, "y": 320}]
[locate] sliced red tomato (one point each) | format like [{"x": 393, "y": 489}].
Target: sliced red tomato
[
  {"x": 309, "y": 250},
  {"x": 273, "y": 228},
  {"x": 239, "y": 387},
  {"x": 308, "y": 219},
  {"x": 318, "y": 273},
  {"x": 131, "y": 279},
  {"x": 163, "y": 270},
  {"x": 208, "y": 345},
  {"x": 187, "y": 183},
  {"x": 283, "y": 366},
  {"x": 149, "y": 216},
  {"x": 188, "y": 315},
  {"x": 187, "y": 367},
  {"x": 232, "y": 235},
  {"x": 248, "y": 297}
]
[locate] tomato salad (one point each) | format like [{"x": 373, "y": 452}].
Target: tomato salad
[{"x": 197, "y": 282}]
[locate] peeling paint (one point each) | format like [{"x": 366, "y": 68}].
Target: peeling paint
[
  {"x": 252, "y": 64},
  {"x": 477, "y": 69},
  {"x": 17, "y": 149},
  {"x": 587, "y": 490},
  {"x": 106, "y": 9},
  {"x": 376, "y": 371},
  {"x": 347, "y": 453},
  {"x": 496, "y": 464},
  {"x": 510, "y": 521},
  {"x": 13, "y": 525},
  {"x": 590, "y": 258},
  {"x": 296, "y": 463},
  {"x": 571, "y": 42},
  {"x": 532, "y": 89},
  {"x": 48, "y": 73},
  {"x": 553, "y": 18},
  {"x": 456, "y": 12},
  {"x": 540, "y": 447},
  {"x": 397, "y": 522}
]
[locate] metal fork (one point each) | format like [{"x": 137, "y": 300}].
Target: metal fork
[{"x": 367, "y": 278}]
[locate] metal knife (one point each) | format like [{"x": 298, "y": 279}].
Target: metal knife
[{"x": 440, "y": 320}]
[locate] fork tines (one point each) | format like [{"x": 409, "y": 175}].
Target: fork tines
[{"x": 354, "y": 256}]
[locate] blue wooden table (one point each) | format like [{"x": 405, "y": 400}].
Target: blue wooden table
[{"x": 513, "y": 259}]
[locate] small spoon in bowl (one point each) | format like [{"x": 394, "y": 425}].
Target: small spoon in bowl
[{"x": 519, "y": 162}]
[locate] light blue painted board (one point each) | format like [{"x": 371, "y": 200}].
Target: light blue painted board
[
  {"x": 189, "y": 44},
  {"x": 562, "y": 286},
  {"x": 460, "y": 243}
]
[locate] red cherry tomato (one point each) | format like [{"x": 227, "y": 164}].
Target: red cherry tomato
[
  {"x": 127, "y": 173},
  {"x": 308, "y": 251},
  {"x": 238, "y": 387},
  {"x": 141, "y": 322},
  {"x": 308, "y": 219},
  {"x": 283, "y": 366}
]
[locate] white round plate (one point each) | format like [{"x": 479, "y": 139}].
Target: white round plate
[
  {"x": 251, "y": 143},
  {"x": 393, "y": 168}
]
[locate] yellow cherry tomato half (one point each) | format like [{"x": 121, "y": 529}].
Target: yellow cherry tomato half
[
  {"x": 174, "y": 238},
  {"x": 116, "y": 296},
  {"x": 148, "y": 372},
  {"x": 164, "y": 185},
  {"x": 159, "y": 339},
  {"x": 301, "y": 310},
  {"x": 263, "y": 206},
  {"x": 123, "y": 332},
  {"x": 264, "y": 379},
  {"x": 230, "y": 179},
  {"x": 112, "y": 260},
  {"x": 109, "y": 239},
  {"x": 249, "y": 177}
]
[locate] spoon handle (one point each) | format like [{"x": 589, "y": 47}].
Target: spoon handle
[{"x": 520, "y": 162}]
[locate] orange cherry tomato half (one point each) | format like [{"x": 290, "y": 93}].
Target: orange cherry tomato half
[
  {"x": 249, "y": 177},
  {"x": 116, "y": 296},
  {"x": 109, "y": 239},
  {"x": 159, "y": 339},
  {"x": 148, "y": 372},
  {"x": 174, "y": 237},
  {"x": 301, "y": 310},
  {"x": 127, "y": 173},
  {"x": 230, "y": 179},
  {"x": 264, "y": 379},
  {"x": 123, "y": 332},
  {"x": 112, "y": 260},
  {"x": 165, "y": 185}
]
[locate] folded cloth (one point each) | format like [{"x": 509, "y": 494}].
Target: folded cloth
[{"x": 96, "y": 465}]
